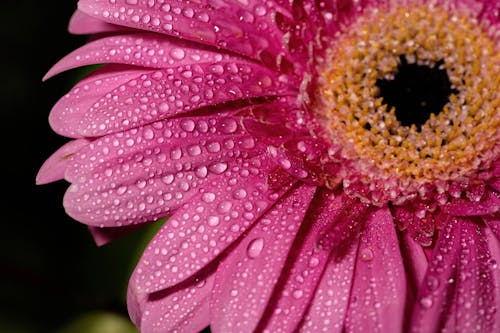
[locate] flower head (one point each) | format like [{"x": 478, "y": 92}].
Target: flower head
[{"x": 325, "y": 166}]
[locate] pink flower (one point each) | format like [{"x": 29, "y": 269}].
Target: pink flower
[{"x": 325, "y": 166}]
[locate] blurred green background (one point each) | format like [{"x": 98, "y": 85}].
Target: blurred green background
[{"x": 52, "y": 276}]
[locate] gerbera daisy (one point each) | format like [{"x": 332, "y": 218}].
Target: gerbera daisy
[{"x": 324, "y": 166}]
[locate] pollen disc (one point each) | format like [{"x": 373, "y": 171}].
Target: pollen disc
[{"x": 457, "y": 140}]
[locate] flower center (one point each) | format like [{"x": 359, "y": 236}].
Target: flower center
[
  {"x": 409, "y": 95},
  {"x": 416, "y": 92}
]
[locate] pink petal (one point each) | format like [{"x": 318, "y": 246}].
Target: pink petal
[
  {"x": 138, "y": 49},
  {"x": 494, "y": 247},
  {"x": 146, "y": 173},
  {"x": 246, "y": 278},
  {"x": 83, "y": 24},
  {"x": 305, "y": 266},
  {"x": 156, "y": 95},
  {"x": 271, "y": 121},
  {"x": 493, "y": 222},
  {"x": 343, "y": 218},
  {"x": 293, "y": 164},
  {"x": 490, "y": 11},
  {"x": 183, "y": 308},
  {"x": 228, "y": 25},
  {"x": 495, "y": 183},
  {"x": 206, "y": 225},
  {"x": 135, "y": 304},
  {"x": 70, "y": 109},
  {"x": 55, "y": 166},
  {"x": 488, "y": 204},
  {"x": 415, "y": 262},
  {"x": 329, "y": 305},
  {"x": 495, "y": 168},
  {"x": 194, "y": 140},
  {"x": 103, "y": 236},
  {"x": 459, "y": 292},
  {"x": 378, "y": 295},
  {"x": 343, "y": 13}
]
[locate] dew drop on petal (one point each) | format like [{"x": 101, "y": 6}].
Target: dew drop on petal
[
  {"x": 366, "y": 254},
  {"x": 201, "y": 171},
  {"x": 188, "y": 125},
  {"x": 255, "y": 247},
  {"x": 313, "y": 262},
  {"x": 194, "y": 150},
  {"x": 229, "y": 126},
  {"x": 168, "y": 179},
  {"x": 178, "y": 53},
  {"x": 214, "y": 147},
  {"x": 224, "y": 206},
  {"x": 208, "y": 197},
  {"x": 260, "y": 10},
  {"x": 240, "y": 194},
  {"x": 248, "y": 143},
  {"x": 298, "y": 293},
  {"x": 426, "y": 302},
  {"x": 149, "y": 134},
  {"x": 286, "y": 164},
  {"x": 432, "y": 282},
  {"x": 176, "y": 153},
  {"x": 301, "y": 173},
  {"x": 218, "y": 167},
  {"x": 213, "y": 221}
]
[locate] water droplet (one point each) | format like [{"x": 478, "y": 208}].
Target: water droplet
[
  {"x": 121, "y": 190},
  {"x": 260, "y": 10},
  {"x": 176, "y": 153},
  {"x": 432, "y": 282},
  {"x": 426, "y": 302},
  {"x": 229, "y": 126},
  {"x": 149, "y": 134},
  {"x": 165, "y": 8},
  {"x": 217, "y": 69},
  {"x": 240, "y": 194},
  {"x": 255, "y": 247},
  {"x": 366, "y": 254},
  {"x": 201, "y": 171},
  {"x": 188, "y": 12},
  {"x": 218, "y": 167},
  {"x": 168, "y": 179},
  {"x": 213, "y": 147},
  {"x": 313, "y": 262},
  {"x": 298, "y": 293},
  {"x": 184, "y": 186},
  {"x": 194, "y": 150},
  {"x": 213, "y": 221},
  {"x": 248, "y": 143},
  {"x": 301, "y": 173},
  {"x": 224, "y": 206},
  {"x": 286, "y": 164},
  {"x": 188, "y": 125},
  {"x": 177, "y": 53},
  {"x": 208, "y": 197},
  {"x": 164, "y": 107}
]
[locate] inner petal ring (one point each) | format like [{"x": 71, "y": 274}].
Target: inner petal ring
[{"x": 459, "y": 140}]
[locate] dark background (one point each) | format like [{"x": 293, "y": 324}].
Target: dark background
[{"x": 52, "y": 276}]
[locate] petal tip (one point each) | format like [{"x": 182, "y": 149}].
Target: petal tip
[{"x": 47, "y": 174}]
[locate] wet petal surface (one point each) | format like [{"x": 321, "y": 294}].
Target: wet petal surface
[
  {"x": 458, "y": 293},
  {"x": 143, "y": 174},
  {"x": 246, "y": 278},
  {"x": 205, "y": 226}
]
